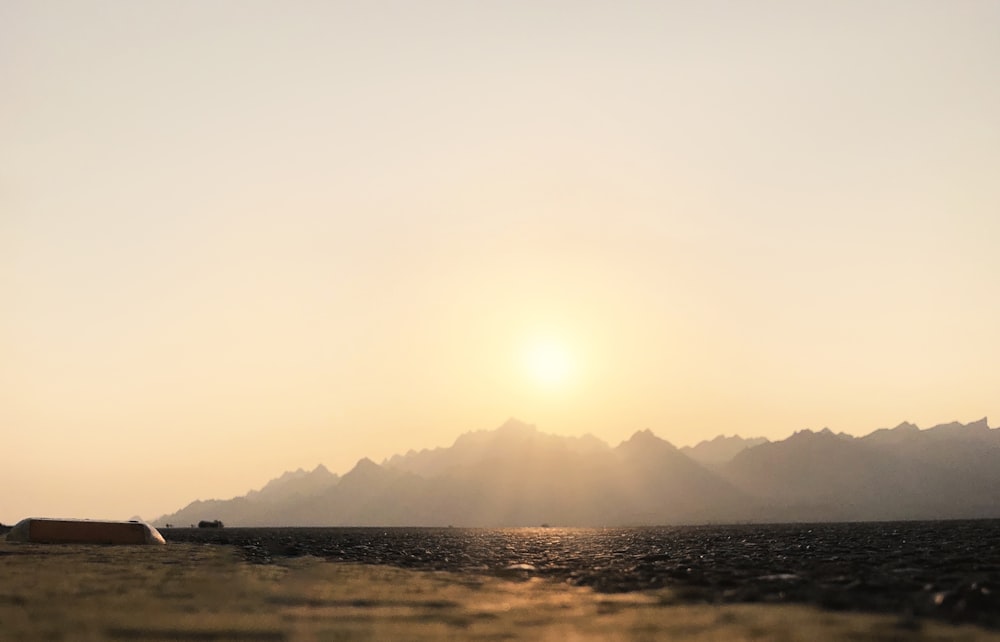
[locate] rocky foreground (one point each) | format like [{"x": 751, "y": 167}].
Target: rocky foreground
[
  {"x": 947, "y": 571},
  {"x": 197, "y": 592}
]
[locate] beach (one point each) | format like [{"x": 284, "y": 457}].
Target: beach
[{"x": 185, "y": 591}]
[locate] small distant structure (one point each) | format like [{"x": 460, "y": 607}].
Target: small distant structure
[
  {"x": 42, "y": 530},
  {"x": 215, "y": 523}
]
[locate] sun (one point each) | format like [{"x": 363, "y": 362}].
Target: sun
[{"x": 548, "y": 362}]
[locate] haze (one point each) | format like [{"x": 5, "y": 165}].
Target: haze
[{"x": 239, "y": 238}]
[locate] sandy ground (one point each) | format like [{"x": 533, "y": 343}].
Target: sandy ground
[{"x": 201, "y": 592}]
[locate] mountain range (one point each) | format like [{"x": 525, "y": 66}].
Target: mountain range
[{"x": 517, "y": 475}]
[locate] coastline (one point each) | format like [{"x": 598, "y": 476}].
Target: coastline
[{"x": 206, "y": 592}]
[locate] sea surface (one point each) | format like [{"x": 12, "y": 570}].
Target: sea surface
[{"x": 940, "y": 569}]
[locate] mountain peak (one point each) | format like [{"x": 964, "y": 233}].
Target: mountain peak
[
  {"x": 905, "y": 432},
  {"x": 365, "y": 464},
  {"x": 974, "y": 429},
  {"x": 365, "y": 472},
  {"x": 721, "y": 449},
  {"x": 645, "y": 439},
  {"x": 815, "y": 436},
  {"x": 644, "y": 436},
  {"x": 513, "y": 425}
]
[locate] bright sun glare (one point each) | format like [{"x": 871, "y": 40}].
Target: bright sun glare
[{"x": 548, "y": 362}]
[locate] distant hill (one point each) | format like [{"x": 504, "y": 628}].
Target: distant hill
[
  {"x": 517, "y": 475},
  {"x": 276, "y": 497},
  {"x": 721, "y": 449},
  {"x": 471, "y": 448},
  {"x": 295, "y": 485},
  {"x": 948, "y": 471}
]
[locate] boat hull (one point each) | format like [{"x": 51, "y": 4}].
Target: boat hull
[{"x": 83, "y": 531}]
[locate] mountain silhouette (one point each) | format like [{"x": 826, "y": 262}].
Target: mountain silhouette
[
  {"x": 511, "y": 438},
  {"x": 892, "y": 436},
  {"x": 295, "y": 484},
  {"x": 948, "y": 471},
  {"x": 664, "y": 483},
  {"x": 821, "y": 476},
  {"x": 516, "y": 475},
  {"x": 721, "y": 449}
]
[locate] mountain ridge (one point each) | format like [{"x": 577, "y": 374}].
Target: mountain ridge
[
  {"x": 517, "y": 475},
  {"x": 720, "y": 449}
]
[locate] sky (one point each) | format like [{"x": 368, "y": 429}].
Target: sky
[{"x": 239, "y": 238}]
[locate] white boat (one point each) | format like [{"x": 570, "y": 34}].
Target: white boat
[{"x": 42, "y": 530}]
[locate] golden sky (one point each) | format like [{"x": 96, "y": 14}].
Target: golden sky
[{"x": 238, "y": 238}]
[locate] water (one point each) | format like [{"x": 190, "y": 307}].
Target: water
[{"x": 947, "y": 569}]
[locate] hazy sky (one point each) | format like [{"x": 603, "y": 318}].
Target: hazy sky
[{"x": 238, "y": 238}]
